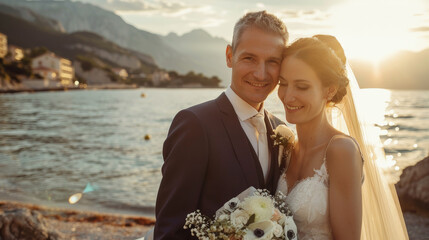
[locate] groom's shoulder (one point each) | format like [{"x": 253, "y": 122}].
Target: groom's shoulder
[
  {"x": 202, "y": 113},
  {"x": 203, "y": 109},
  {"x": 207, "y": 108}
]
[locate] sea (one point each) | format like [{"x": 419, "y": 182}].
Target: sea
[{"x": 106, "y": 145}]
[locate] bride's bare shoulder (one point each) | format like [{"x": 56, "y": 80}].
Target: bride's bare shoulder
[
  {"x": 343, "y": 153},
  {"x": 343, "y": 144}
]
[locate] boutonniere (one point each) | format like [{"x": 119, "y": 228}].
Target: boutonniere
[{"x": 284, "y": 138}]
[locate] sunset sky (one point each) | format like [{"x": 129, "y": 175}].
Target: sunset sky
[{"x": 368, "y": 29}]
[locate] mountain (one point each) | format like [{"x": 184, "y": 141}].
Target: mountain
[
  {"x": 203, "y": 48},
  {"x": 78, "y": 46},
  {"x": 404, "y": 70},
  {"x": 31, "y": 16},
  {"x": 78, "y": 16}
]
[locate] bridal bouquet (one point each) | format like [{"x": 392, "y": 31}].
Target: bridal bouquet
[{"x": 254, "y": 214}]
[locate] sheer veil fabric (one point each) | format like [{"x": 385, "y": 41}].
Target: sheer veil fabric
[{"x": 382, "y": 216}]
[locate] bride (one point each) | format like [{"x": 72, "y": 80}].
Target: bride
[{"x": 332, "y": 183}]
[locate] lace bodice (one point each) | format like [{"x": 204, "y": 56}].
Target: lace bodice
[{"x": 308, "y": 201}]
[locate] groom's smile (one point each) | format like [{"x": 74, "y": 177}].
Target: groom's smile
[{"x": 259, "y": 85}]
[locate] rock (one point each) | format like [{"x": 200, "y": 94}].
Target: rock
[
  {"x": 417, "y": 226},
  {"x": 413, "y": 187},
  {"x": 24, "y": 224},
  {"x": 93, "y": 76},
  {"x": 125, "y": 60}
]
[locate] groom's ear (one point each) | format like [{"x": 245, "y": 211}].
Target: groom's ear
[{"x": 228, "y": 55}]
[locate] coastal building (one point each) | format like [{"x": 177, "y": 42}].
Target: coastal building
[
  {"x": 48, "y": 74},
  {"x": 53, "y": 68},
  {"x": 66, "y": 72},
  {"x": 121, "y": 72},
  {"x": 3, "y": 45},
  {"x": 160, "y": 77},
  {"x": 16, "y": 54},
  {"x": 139, "y": 75}
]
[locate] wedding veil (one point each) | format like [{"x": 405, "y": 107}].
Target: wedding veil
[{"x": 382, "y": 216}]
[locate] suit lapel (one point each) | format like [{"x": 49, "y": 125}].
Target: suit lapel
[
  {"x": 274, "y": 169},
  {"x": 239, "y": 140}
]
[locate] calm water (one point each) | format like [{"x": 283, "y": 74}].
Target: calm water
[{"x": 53, "y": 144}]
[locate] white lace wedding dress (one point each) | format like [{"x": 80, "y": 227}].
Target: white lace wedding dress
[{"x": 308, "y": 201}]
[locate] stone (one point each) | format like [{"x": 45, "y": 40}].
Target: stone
[
  {"x": 413, "y": 187},
  {"x": 24, "y": 224}
]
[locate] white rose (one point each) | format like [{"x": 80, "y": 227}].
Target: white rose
[
  {"x": 223, "y": 217},
  {"x": 278, "y": 230},
  {"x": 239, "y": 218},
  {"x": 282, "y": 219},
  {"x": 285, "y": 132},
  {"x": 262, "y": 207}
]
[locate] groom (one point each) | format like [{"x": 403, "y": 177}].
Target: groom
[{"x": 217, "y": 149}]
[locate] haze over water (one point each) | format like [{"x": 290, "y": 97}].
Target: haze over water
[{"x": 53, "y": 144}]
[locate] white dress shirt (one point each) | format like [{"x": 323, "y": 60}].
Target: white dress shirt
[{"x": 244, "y": 112}]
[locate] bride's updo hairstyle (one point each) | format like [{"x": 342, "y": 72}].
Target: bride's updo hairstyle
[{"x": 324, "y": 54}]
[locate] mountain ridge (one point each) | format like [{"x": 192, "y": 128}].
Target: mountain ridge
[{"x": 78, "y": 16}]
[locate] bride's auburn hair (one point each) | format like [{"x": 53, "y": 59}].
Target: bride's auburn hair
[{"x": 324, "y": 54}]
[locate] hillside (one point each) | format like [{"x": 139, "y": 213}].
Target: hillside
[
  {"x": 404, "y": 70},
  {"x": 203, "y": 48},
  {"x": 28, "y": 35},
  {"x": 78, "y": 16},
  {"x": 28, "y": 15}
]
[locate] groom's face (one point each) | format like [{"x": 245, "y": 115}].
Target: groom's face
[{"x": 255, "y": 64}]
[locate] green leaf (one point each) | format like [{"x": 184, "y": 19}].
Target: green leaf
[{"x": 251, "y": 219}]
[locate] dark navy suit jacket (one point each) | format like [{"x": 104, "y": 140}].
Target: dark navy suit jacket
[{"x": 208, "y": 160}]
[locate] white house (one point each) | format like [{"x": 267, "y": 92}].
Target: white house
[
  {"x": 160, "y": 77},
  {"x": 122, "y": 73},
  {"x": 53, "y": 67},
  {"x": 3, "y": 45}
]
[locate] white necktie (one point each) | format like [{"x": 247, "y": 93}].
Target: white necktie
[{"x": 261, "y": 136}]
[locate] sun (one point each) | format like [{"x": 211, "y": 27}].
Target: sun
[{"x": 372, "y": 30}]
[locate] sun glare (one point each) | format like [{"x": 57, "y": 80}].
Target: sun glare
[{"x": 374, "y": 29}]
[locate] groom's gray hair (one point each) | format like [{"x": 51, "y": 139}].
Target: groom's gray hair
[{"x": 262, "y": 20}]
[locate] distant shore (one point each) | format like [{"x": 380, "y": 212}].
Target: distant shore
[
  {"x": 89, "y": 87},
  {"x": 20, "y": 89}
]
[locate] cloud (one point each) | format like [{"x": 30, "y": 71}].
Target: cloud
[
  {"x": 149, "y": 7},
  {"x": 208, "y": 22},
  {"x": 420, "y": 29},
  {"x": 260, "y": 5},
  {"x": 124, "y": 5},
  {"x": 304, "y": 15}
]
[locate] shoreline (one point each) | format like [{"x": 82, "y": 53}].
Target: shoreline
[
  {"x": 92, "y": 87},
  {"x": 94, "y": 225},
  {"x": 64, "y": 89},
  {"x": 78, "y": 224},
  {"x": 144, "y": 211}
]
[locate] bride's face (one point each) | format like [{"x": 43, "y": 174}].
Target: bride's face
[{"x": 301, "y": 91}]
